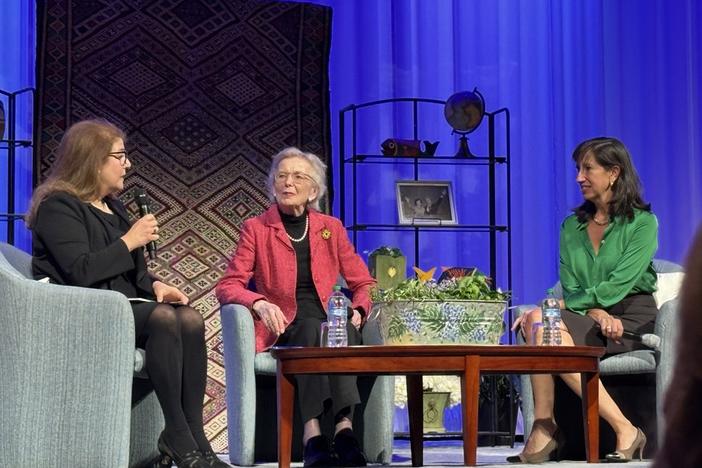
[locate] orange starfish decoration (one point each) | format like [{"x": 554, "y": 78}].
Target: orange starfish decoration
[{"x": 424, "y": 276}]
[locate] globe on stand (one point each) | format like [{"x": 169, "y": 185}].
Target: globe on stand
[{"x": 464, "y": 111}]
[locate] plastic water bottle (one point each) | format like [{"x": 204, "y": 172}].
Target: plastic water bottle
[
  {"x": 551, "y": 316},
  {"x": 336, "y": 316}
]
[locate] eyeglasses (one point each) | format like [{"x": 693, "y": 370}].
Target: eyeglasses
[
  {"x": 121, "y": 156},
  {"x": 298, "y": 177}
]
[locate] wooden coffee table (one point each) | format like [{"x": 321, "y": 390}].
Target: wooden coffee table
[{"x": 414, "y": 361}]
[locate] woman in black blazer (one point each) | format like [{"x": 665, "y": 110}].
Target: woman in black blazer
[{"x": 83, "y": 237}]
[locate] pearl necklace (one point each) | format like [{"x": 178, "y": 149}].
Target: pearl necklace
[
  {"x": 304, "y": 234},
  {"x": 600, "y": 223}
]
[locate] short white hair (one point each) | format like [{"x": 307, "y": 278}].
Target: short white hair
[{"x": 319, "y": 172}]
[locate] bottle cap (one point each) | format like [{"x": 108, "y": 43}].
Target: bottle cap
[{"x": 337, "y": 287}]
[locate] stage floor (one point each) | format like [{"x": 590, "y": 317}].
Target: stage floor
[{"x": 449, "y": 453}]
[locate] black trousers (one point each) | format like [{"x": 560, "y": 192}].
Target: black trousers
[{"x": 317, "y": 393}]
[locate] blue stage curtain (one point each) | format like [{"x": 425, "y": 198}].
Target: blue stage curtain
[
  {"x": 17, "y": 39},
  {"x": 567, "y": 71}
]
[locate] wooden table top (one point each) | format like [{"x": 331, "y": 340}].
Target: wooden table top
[
  {"x": 437, "y": 359},
  {"x": 298, "y": 352}
]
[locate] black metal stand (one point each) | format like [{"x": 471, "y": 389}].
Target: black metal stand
[
  {"x": 491, "y": 160},
  {"x": 10, "y": 145},
  {"x": 463, "y": 149},
  {"x": 348, "y": 155}
]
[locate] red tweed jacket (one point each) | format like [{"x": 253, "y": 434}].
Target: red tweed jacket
[{"x": 266, "y": 253}]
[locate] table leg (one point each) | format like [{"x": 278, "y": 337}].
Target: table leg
[
  {"x": 470, "y": 389},
  {"x": 416, "y": 421},
  {"x": 286, "y": 394},
  {"x": 590, "y": 384}
]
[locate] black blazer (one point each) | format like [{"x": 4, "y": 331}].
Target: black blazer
[{"x": 72, "y": 245}]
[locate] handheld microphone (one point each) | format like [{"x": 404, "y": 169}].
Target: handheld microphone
[
  {"x": 647, "y": 339},
  {"x": 142, "y": 202}
]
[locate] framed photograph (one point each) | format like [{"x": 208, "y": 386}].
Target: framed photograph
[{"x": 425, "y": 202}]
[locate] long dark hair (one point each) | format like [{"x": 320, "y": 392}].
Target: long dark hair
[{"x": 626, "y": 190}]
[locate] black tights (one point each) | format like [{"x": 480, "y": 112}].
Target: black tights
[{"x": 176, "y": 361}]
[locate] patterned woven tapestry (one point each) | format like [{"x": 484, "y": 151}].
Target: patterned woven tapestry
[{"x": 207, "y": 91}]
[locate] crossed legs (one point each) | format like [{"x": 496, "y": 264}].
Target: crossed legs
[{"x": 543, "y": 389}]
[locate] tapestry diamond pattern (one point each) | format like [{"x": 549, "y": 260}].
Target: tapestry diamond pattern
[{"x": 207, "y": 92}]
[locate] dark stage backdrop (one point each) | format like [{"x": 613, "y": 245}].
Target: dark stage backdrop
[{"x": 207, "y": 92}]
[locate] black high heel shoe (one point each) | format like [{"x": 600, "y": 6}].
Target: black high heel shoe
[
  {"x": 213, "y": 460},
  {"x": 192, "y": 459}
]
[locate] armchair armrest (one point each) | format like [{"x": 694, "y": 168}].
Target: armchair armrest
[
  {"x": 64, "y": 348},
  {"x": 668, "y": 330},
  {"x": 380, "y": 405},
  {"x": 239, "y": 353},
  {"x": 371, "y": 332},
  {"x": 526, "y": 395}
]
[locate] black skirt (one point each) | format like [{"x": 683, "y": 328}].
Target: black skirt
[{"x": 637, "y": 313}]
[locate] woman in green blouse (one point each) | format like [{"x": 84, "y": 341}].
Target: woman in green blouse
[{"x": 606, "y": 271}]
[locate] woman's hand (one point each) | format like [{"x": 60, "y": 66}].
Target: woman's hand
[
  {"x": 523, "y": 319},
  {"x": 526, "y": 323},
  {"x": 610, "y": 326},
  {"x": 356, "y": 319},
  {"x": 143, "y": 231},
  {"x": 271, "y": 316},
  {"x": 166, "y": 293}
]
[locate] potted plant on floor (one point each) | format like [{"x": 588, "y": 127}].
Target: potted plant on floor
[
  {"x": 443, "y": 394},
  {"x": 440, "y": 392}
]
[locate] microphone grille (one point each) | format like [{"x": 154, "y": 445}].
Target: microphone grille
[
  {"x": 650, "y": 340},
  {"x": 139, "y": 195}
]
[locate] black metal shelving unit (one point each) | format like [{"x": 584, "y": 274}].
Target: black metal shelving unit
[
  {"x": 9, "y": 146},
  {"x": 349, "y": 157},
  {"x": 490, "y": 161}
]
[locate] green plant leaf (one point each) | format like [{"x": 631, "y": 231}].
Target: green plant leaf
[{"x": 475, "y": 287}]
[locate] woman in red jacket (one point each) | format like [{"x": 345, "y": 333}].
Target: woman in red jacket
[{"x": 295, "y": 255}]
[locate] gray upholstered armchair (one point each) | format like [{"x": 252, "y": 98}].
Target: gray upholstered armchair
[
  {"x": 251, "y": 416},
  {"x": 67, "y": 365},
  {"x": 659, "y": 362}
]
